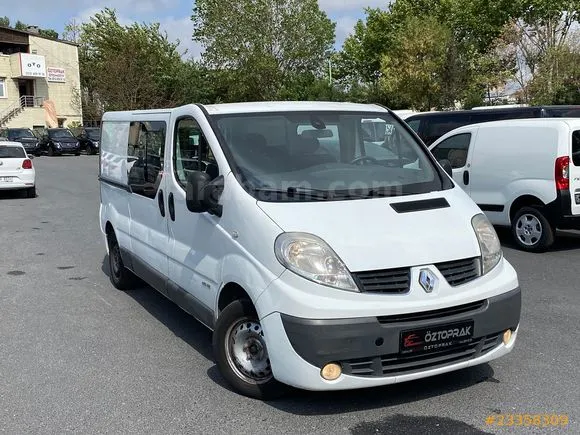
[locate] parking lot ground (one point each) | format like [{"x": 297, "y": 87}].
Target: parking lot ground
[{"x": 76, "y": 355}]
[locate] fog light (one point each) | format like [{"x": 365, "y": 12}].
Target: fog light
[
  {"x": 507, "y": 336},
  {"x": 331, "y": 371}
]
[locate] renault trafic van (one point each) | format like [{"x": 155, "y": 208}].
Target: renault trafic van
[
  {"x": 524, "y": 174},
  {"x": 314, "y": 263}
]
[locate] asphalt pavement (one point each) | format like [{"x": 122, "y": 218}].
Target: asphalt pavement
[{"x": 78, "y": 356}]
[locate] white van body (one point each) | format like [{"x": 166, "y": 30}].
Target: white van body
[
  {"x": 337, "y": 292},
  {"x": 514, "y": 165}
]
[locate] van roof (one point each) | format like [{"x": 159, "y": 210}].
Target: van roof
[
  {"x": 527, "y": 122},
  {"x": 262, "y": 106}
]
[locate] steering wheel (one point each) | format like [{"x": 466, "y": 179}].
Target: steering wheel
[{"x": 362, "y": 159}]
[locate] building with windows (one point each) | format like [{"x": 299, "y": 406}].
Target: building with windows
[{"x": 39, "y": 80}]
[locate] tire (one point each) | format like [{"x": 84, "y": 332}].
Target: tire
[
  {"x": 77, "y": 154},
  {"x": 239, "y": 320},
  {"x": 532, "y": 231},
  {"x": 31, "y": 192},
  {"x": 90, "y": 150},
  {"x": 121, "y": 277},
  {"x": 50, "y": 151}
]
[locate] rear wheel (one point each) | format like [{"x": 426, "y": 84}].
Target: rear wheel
[
  {"x": 532, "y": 231},
  {"x": 31, "y": 192},
  {"x": 121, "y": 277},
  {"x": 241, "y": 353}
]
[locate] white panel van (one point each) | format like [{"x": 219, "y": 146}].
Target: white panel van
[
  {"x": 316, "y": 263},
  {"x": 524, "y": 174}
]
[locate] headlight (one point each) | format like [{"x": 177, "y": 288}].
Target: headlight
[
  {"x": 57, "y": 144},
  {"x": 310, "y": 257},
  {"x": 489, "y": 243}
]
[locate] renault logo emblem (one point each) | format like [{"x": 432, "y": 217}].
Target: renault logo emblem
[{"x": 428, "y": 280}]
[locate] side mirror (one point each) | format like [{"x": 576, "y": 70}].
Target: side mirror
[
  {"x": 203, "y": 194},
  {"x": 30, "y": 156},
  {"x": 446, "y": 165}
]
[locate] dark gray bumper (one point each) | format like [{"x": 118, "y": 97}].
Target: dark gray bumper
[{"x": 371, "y": 346}]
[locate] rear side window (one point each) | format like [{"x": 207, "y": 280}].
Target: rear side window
[
  {"x": 145, "y": 156},
  {"x": 12, "y": 153},
  {"x": 454, "y": 149},
  {"x": 439, "y": 126},
  {"x": 576, "y": 148}
]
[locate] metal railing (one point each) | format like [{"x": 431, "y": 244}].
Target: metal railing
[
  {"x": 31, "y": 101},
  {"x": 24, "y": 102}
]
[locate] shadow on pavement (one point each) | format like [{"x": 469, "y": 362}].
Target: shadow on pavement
[{"x": 169, "y": 314}]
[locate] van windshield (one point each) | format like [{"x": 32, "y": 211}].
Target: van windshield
[{"x": 326, "y": 155}]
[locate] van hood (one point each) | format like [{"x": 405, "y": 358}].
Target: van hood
[
  {"x": 64, "y": 139},
  {"x": 370, "y": 234}
]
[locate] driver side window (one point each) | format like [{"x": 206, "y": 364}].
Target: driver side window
[
  {"x": 191, "y": 151},
  {"x": 454, "y": 149}
]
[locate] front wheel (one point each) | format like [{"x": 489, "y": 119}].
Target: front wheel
[
  {"x": 241, "y": 354},
  {"x": 532, "y": 231},
  {"x": 50, "y": 151}
]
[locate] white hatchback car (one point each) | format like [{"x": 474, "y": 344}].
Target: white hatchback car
[{"x": 16, "y": 169}]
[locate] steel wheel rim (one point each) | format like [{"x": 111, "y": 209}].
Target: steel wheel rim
[
  {"x": 246, "y": 351},
  {"x": 529, "y": 229}
]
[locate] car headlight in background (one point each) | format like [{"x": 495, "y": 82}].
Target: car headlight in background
[
  {"x": 310, "y": 257},
  {"x": 57, "y": 144},
  {"x": 489, "y": 243}
]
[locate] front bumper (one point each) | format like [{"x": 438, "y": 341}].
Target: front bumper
[
  {"x": 368, "y": 348},
  {"x": 67, "y": 150}
]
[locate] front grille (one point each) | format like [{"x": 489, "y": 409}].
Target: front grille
[
  {"x": 434, "y": 314},
  {"x": 459, "y": 272},
  {"x": 397, "y": 281},
  {"x": 396, "y": 364},
  {"x": 384, "y": 281}
]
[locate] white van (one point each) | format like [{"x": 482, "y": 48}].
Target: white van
[
  {"x": 524, "y": 174},
  {"x": 314, "y": 268}
]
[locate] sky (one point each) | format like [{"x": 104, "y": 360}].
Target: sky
[{"x": 173, "y": 15}]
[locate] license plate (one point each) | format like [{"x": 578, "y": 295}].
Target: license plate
[
  {"x": 436, "y": 338},
  {"x": 6, "y": 179}
]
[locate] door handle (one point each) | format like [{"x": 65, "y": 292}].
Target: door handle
[
  {"x": 466, "y": 177},
  {"x": 161, "y": 202},
  {"x": 171, "y": 204}
]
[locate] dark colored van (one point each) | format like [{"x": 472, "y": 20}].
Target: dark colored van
[
  {"x": 23, "y": 135},
  {"x": 430, "y": 126}
]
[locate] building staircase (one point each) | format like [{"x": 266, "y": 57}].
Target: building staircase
[{"x": 18, "y": 107}]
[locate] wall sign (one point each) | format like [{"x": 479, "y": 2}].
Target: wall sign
[
  {"x": 55, "y": 74},
  {"x": 32, "y": 65}
]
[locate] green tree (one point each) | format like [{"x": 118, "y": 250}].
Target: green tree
[
  {"x": 4, "y": 21},
  {"x": 420, "y": 65},
  {"x": 127, "y": 67},
  {"x": 541, "y": 32},
  {"x": 262, "y": 45},
  {"x": 49, "y": 33},
  {"x": 20, "y": 25},
  {"x": 558, "y": 77},
  {"x": 72, "y": 31}
]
